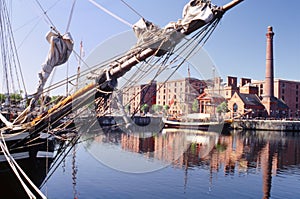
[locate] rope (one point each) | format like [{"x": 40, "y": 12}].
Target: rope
[
  {"x": 110, "y": 13},
  {"x": 131, "y": 8},
  {"x": 45, "y": 13},
  {"x": 70, "y": 16},
  {"x": 14, "y": 166}
]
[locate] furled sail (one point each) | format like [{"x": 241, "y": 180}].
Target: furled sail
[
  {"x": 118, "y": 67},
  {"x": 196, "y": 14},
  {"x": 61, "y": 47}
]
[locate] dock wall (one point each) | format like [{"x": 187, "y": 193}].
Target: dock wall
[{"x": 272, "y": 125}]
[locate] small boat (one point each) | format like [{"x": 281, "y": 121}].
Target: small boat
[{"x": 219, "y": 126}]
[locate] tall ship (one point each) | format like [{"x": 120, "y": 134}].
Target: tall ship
[{"x": 35, "y": 119}]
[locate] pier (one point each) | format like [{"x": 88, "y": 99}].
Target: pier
[{"x": 270, "y": 125}]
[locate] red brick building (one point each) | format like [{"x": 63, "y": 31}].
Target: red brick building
[
  {"x": 246, "y": 105},
  {"x": 287, "y": 91}
]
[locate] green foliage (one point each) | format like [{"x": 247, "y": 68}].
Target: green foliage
[
  {"x": 221, "y": 147},
  {"x": 2, "y": 97},
  {"x": 166, "y": 107},
  {"x": 15, "y": 97},
  {"x": 222, "y": 108},
  {"x": 145, "y": 108},
  {"x": 56, "y": 98},
  {"x": 195, "y": 106},
  {"x": 127, "y": 108},
  {"x": 156, "y": 108}
]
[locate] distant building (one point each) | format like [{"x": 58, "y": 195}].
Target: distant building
[
  {"x": 135, "y": 97},
  {"x": 178, "y": 95},
  {"x": 208, "y": 103},
  {"x": 246, "y": 105},
  {"x": 286, "y": 90}
]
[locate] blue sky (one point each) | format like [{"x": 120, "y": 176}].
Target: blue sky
[{"x": 237, "y": 47}]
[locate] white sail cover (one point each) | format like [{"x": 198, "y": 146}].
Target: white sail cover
[
  {"x": 146, "y": 31},
  {"x": 196, "y": 13},
  {"x": 193, "y": 11},
  {"x": 60, "y": 49}
]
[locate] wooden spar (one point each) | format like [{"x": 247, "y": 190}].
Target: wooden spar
[
  {"x": 231, "y": 5},
  {"x": 118, "y": 70},
  {"x": 67, "y": 100},
  {"x": 121, "y": 69},
  {"x": 127, "y": 65}
]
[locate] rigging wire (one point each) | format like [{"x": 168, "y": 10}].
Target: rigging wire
[
  {"x": 131, "y": 8},
  {"x": 45, "y": 14},
  {"x": 110, "y": 13},
  {"x": 16, "y": 168},
  {"x": 70, "y": 16}
]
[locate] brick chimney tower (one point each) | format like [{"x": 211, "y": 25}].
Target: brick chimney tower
[
  {"x": 268, "y": 97},
  {"x": 269, "y": 84}
]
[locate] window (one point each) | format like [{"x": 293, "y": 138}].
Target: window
[{"x": 235, "y": 107}]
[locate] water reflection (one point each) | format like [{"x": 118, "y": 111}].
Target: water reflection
[
  {"x": 240, "y": 153},
  {"x": 147, "y": 151}
]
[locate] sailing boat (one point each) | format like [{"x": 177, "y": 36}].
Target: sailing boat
[
  {"x": 155, "y": 45},
  {"x": 199, "y": 17}
]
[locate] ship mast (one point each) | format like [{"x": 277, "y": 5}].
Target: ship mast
[{"x": 117, "y": 68}]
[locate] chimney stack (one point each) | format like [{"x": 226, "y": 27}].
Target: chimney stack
[
  {"x": 268, "y": 98},
  {"x": 269, "y": 84}
]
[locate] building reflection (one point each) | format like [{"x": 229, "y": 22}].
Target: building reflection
[{"x": 241, "y": 152}]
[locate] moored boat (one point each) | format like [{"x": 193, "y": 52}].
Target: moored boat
[{"x": 199, "y": 125}]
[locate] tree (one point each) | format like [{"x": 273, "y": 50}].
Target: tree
[
  {"x": 16, "y": 97},
  {"x": 166, "y": 108},
  {"x": 2, "y": 97},
  {"x": 56, "y": 98},
  {"x": 127, "y": 108},
  {"x": 222, "y": 108},
  {"x": 145, "y": 108},
  {"x": 195, "y": 106},
  {"x": 156, "y": 108}
]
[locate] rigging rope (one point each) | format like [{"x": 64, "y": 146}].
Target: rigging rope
[
  {"x": 14, "y": 165},
  {"x": 70, "y": 16},
  {"x": 110, "y": 13},
  {"x": 131, "y": 8},
  {"x": 45, "y": 13}
]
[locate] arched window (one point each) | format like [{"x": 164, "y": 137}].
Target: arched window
[{"x": 235, "y": 107}]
